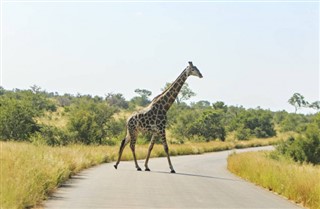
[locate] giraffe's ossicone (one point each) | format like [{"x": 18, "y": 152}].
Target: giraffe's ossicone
[{"x": 153, "y": 118}]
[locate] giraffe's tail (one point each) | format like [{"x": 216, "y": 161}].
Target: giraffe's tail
[{"x": 123, "y": 144}]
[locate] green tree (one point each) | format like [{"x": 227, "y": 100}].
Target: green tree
[
  {"x": 117, "y": 100},
  {"x": 185, "y": 93},
  {"x": 306, "y": 147},
  {"x": 90, "y": 122},
  {"x": 253, "y": 122},
  {"x": 294, "y": 122},
  {"x": 209, "y": 125},
  {"x": 180, "y": 120},
  {"x": 297, "y": 100},
  {"x": 16, "y": 119},
  {"x": 143, "y": 99},
  {"x": 200, "y": 104},
  {"x": 220, "y": 106},
  {"x": 315, "y": 105}
]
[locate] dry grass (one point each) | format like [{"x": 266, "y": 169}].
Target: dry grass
[
  {"x": 29, "y": 173},
  {"x": 300, "y": 183}
]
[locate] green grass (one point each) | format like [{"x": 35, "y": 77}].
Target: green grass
[
  {"x": 30, "y": 173},
  {"x": 300, "y": 183}
]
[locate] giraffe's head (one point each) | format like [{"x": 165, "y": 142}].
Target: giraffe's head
[{"x": 193, "y": 70}]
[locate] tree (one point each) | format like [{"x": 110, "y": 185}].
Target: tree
[
  {"x": 185, "y": 93},
  {"x": 201, "y": 104},
  {"x": 253, "y": 122},
  {"x": 143, "y": 99},
  {"x": 305, "y": 147},
  {"x": 297, "y": 100},
  {"x": 315, "y": 105},
  {"x": 220, "y": 106},
  {"x": 209, "y": 125},
  {"x": 90, "y": 121},
  {"x": 117, "y": 100},
  {"x": 35, "y": 89},
  {"x": 16, "y": 119},
  {"x": 143, "y": 92}
]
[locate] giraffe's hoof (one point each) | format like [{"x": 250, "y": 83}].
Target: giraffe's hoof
[
  {"x": 115, "y": 166},
  {"x": 172, "y": 171},
  {"x": 138, "y": 169},
  {"x": 147, "y": 169}
]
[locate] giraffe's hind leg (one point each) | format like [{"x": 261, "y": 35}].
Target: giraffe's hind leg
[{"x": 124, "y": 142}]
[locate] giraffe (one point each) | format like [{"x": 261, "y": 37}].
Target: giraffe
[{"x": 153, "y": 118}]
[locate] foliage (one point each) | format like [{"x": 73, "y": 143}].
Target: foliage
[
  {"x": 291, "y": 121},
  {"x": 16, "y": 119},
  {"x": 297, "y": 100},
  {"x": 18, "y": 111},
  {"x": 220, "y": 106},
  {"x": 185, "y": 93},
  {"x": 203, "y": 104},
  {"x": 208, "y": 125},
  {"x": 315, "y": 105},
  {"x": 89, "y": 121},
  {"x": 50, "y": 135},
  {"x": 306, "y": 147},
  {"x": 117, "y": 100},
  {"x": 253, "y": 122},
  {"x": 42, "y": 117},
  {"x": 143, "y": 99},
  {"x": 180, "y": 120}
]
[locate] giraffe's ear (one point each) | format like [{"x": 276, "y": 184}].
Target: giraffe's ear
[{"x": 190, "y": 64}]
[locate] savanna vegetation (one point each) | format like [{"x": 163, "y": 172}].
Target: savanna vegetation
[
  {"x": 291, "y": 170},
  {"x": 45, "y": 136},
  {"x": 37, "y": 116}
]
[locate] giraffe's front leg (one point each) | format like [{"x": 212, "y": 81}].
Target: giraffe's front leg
[
  {"x": 132, "y": 146},
  {"x": 149, "y": 152},
  {"x": 166, "y": 149}
]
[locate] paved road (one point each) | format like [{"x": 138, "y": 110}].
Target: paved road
[{"x": 201, "y": 181}]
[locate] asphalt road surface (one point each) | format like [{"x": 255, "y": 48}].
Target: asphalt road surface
[{"x": 201, "y": 181}]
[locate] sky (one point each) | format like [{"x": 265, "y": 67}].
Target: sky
[{"x": 250, "y": 53}]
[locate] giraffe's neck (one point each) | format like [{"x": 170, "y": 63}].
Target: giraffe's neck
[{"x": 170, "y": 94}]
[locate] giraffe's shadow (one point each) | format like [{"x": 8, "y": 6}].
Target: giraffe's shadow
[{"x": 196, "y": 175}]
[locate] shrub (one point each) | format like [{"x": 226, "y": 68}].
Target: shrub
[
  {"x": 208, "y": 125},
  {"x": 89, "y": 121},
  {"x": 16, "y": 119},
  {"x": 306, "y": 147},
  {"x": 50, "y": 135},
  {"x": 253, "y": 122}
]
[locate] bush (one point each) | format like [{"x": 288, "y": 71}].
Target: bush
[
  {"x": 294, "y": 122},
  {"x": 243, "y": 133},
  {"x": 50, "y": 135},
  {"x": 90, "y": 121},
  {"x": 305, "y": 148},
  {"x": 16, "y": 119},
  {"x": 208, "y": 125},
  {"x": 253, "y": 122}
]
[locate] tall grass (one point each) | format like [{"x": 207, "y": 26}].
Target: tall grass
[
  {"x": 300, "y": 183},
  {"x": 29, "y": 173}
]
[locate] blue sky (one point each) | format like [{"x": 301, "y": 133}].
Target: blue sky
[{"x": 250, "y": 53}]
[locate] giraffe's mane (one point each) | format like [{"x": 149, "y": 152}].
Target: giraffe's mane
[{"x": 167, "y": 89}]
